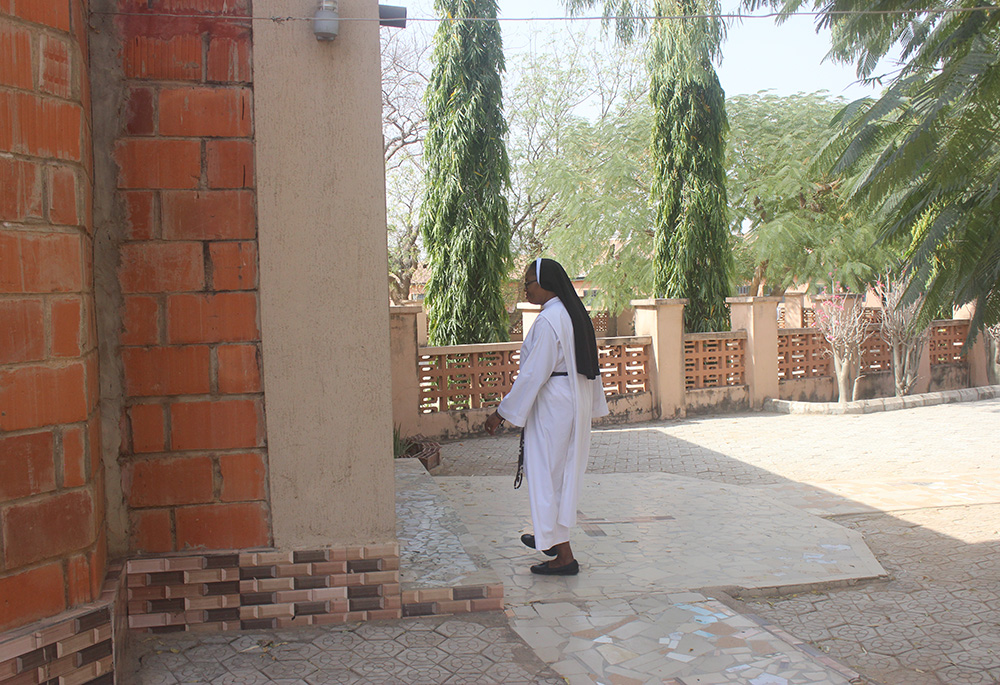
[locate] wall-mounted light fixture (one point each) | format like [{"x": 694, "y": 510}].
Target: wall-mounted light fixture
[
  {"x": 326, "y": 21},
  {"x": 392, "y": 16}
]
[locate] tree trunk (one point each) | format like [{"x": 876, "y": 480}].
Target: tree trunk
[{"x": 842, "y": 370}]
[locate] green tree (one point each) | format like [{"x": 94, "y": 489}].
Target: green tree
[
  {"x": 464, "y": 215},
  {"x": 692, "y": 254},
  {"x": 791, "y": 222},
  {"x": 926, "y": 155},
  {"x": 692, "y": 257}
]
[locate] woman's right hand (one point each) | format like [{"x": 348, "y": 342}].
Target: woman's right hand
[{"x": 493, "y": 422}]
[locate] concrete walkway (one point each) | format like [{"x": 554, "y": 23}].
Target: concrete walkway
[{"x": 773, "y": 508}]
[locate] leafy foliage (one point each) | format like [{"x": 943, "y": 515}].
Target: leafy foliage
[
  {"x": 926, "y": 155},
  {"x": 792, "y": 222},
  {"x": 464, "y": 215},
  {"x": 691, "y": 253}
]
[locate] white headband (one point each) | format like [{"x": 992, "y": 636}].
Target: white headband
[{"x": 538, "y": 270}]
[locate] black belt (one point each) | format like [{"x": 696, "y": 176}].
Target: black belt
[{"x": 519, "y": 476}]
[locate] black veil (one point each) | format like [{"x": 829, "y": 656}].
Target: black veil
[{"x": 554, "y": 278}]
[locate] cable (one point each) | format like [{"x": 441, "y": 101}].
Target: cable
[{"x": 640, "y": 17}]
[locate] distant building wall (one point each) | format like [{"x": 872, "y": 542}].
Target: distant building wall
[{"x": 53, "y": 550}]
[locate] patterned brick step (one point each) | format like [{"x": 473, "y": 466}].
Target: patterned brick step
[{"x": 77, "y": 647}]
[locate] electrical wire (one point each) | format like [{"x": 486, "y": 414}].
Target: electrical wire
[{"x": 639, "y": 17}]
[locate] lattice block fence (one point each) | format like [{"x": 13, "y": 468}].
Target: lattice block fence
[
  {"x": 876, "y": 355},
  {"x": 803, "y": 353},
  {"x": 714, "y": 360},
  {"x": 624, "y": 366},
  {"x": 464, "y": 377},
  {"x": 946, "y": 341}
]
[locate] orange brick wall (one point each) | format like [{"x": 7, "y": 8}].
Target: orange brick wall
[
  {"x": 52, "y": 541},
  {"x": 195, "y": 471}
]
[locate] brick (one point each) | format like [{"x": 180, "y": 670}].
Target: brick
[
  {"x": 209, "y": 215},
  {"x": 229, "y": 163},
  {"x": 233, "y": 265},
  {"x": 148, "y": 428},
  {"x": 158, "y": 163},
  {"x": 222, "y": 526},
  {"x": 7, "y": 110},
  {"x": 54, "y": 14},
  {"x": 218, "y": 112},
  {"x": 66, "y": 315},
  {"x": 151, "y": 531},
  {"x": 32, "y": 396},
  {"x": 15, "y": 58},
  {"x": 20, "y": 190},
  {"x": 173, "y": 58},
  {"x": 244, "y": 477},
  {"x": 170, "y": 482},
  {"x": 138, "y": 214},
  {"x": 229, "y": 8},
  {"x": 152, "y": 267},
  {"x": 74, "y": 457},
  {"x": 140, "y": 112},
  {"x": 48, "y": 527},
  {"x": 92, "y": 385},
  {"x": 56, "y": 72},
  {"x": 239, "y": 369},
  {"x": 78, "y": 579},
  {"x": 218, "y": 424},
  {"x": 31, "y": 595},
  {"x": 52, "y": 262},
  {"x": 224, "y": 317},
  {"x": 229, "y": 60},
  {"x": 47, "y": 127},
  {"x": 62, "y": 203},
  {"x": 27, "y": 464},
  {"x": 140, "y": 321},
  {"x": 22, "y": 330},
  {"x": 159, "y": 371}
]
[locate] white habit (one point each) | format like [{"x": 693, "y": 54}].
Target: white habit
[{"x": 556, "y": 413}]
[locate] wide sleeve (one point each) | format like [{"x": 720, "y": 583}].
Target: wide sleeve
[
  {"x": 600, "y": 401},
  {"x": 539, "y": 355}
]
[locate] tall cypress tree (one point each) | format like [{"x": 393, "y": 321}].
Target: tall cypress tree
[
  {"x": 464, "y": 216},
  {"x": 693, "y": 256}
]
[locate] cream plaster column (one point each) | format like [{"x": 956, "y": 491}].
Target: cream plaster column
[
  {"x": 663, "y": 320},
  {"x": 404, "y": 339},
  {"x": 758, "y": 316},
  {"x": 529, "y": 312},
  {"x": 323, "y": 299},
  {"x": 793, "y": 310},
  {"x": 979, "y": 351}
]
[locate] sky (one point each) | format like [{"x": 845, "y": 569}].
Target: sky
[{"x": 757, "y": 54}]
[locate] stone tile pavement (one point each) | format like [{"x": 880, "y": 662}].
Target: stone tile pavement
[{"x": 673, "y": 508}]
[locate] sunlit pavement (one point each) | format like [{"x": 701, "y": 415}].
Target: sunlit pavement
[{"x": 772, "y": 508}]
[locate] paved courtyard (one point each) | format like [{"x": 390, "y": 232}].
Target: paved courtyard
[{"x": 727, "y": 549}]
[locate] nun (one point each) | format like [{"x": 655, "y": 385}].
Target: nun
[{"x": 556, "y": 394}]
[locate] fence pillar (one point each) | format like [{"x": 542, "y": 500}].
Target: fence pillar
[
  {"x": 403, "y": 349},
  {"x": 758, "y": 316},
  {"x": 529, "y": 312},
  {"x": 794, "y": 304},
  {"x": 978, "y": 352},
  {"x": 663, "y": 321}
]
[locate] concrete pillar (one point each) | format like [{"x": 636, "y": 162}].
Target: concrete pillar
[
  {"x": 663, "y": 320},
  {"x": 758, "y": 316},
  {"x": 978, "y": 353},
  {"x": 529, "y": 312},
  {"x": 794, "y": 304},
  {"x": 404, "y": 339}
]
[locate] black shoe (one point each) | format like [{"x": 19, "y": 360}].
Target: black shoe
[
  {"x": 547, "y": 569},
  {"x": 529, "y": 540}
]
